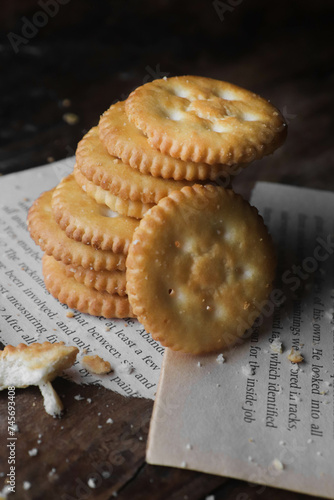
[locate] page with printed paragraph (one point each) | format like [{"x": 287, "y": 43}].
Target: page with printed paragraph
[
  {"x": 263, "y": 410},
  {"x": 28, "y": 313}
]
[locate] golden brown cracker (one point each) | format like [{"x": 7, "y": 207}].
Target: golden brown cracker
[
  {"x": 195, "y": 260},
  {"x": 120, "y": 179},
  {"x": 104, "y": 281},
  {"x": 77, "y": 296},
  {"x": 95, "y": 364},
  {"x": 123, "y": 207},
  {"x": 85, "y": 220},
  {"x": 124, "y": 140},
  {"x": 204, "y": 120},
  {"x": 53, "y": 240}
]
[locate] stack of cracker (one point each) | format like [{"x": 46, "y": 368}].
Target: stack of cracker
[{"x": 172, "y": 139}]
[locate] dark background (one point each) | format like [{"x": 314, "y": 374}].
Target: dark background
[
  {"x": 87, "y": 56},
  {"x": 92, "y": 53}
]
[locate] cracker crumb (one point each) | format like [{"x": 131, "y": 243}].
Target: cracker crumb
[
  {"x": 26, "y": 485},
  {"x": 248, "y": 370},
  {"x": 66, "y": 103},
  {"x": 33, "y": 452},
  {"x": 52, "y": 472},
  {"x": 246, "y": 305},
  {"x": 50, "y": 159},
  {"x": 78, "y": 397},
  {"x": 70, "y": 314},
  {"x": 220, "y": 359},
  {"x": 277, "y": 464},
  {"x": 70, "y": 118},
  {"x": 96, "y": 364},
  {"x": 295, "y": 356},
  {"x": 126, "y": 368},
  {"x": 276, "y": 346},
  {"x": 91, "y": 482}
]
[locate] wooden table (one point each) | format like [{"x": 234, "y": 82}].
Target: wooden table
[{"x": 85, "y": 58}]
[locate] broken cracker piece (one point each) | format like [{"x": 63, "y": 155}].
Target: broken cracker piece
[
  {"x": 276, "y": 346},
  {"x": 295, "y": 356},
  {"x": 95, "y": 364},
  {"x": 36, "y": 364}
]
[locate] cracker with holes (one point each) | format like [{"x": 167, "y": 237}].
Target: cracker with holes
[
  {"x": 124, "y": 140},
  {"x": 204, "y": 120},
  {"x": 37, "y": 364},
  {"x": 196, "y": 259},
  {"x": 46, "y": 233},
  {"x": 83, "y": 219}
]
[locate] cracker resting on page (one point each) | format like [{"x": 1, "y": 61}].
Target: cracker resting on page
[
  {"x": 204, "y": 120},
  {"x": 36, "y": 364},
  {"x": 199, "y": 264}
]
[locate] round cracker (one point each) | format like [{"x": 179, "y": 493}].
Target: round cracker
[
  {"x": 113, "y": 282},
  {"x": 204, "y": 120},
  {"x": 85, "y": 220},
  {"x": 125, "y": 141},
  {"x": 128, "y": 208},
  {"x": 120, "y": 179},
  {"x": 77, "y": 296},
  {"x": 53, "y": 240},
  {"x": 200, "y": 265}
]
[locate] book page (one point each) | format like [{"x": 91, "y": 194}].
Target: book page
[
  {"x": 28, "y": 313},
  {"x": 257, "y": 416}
]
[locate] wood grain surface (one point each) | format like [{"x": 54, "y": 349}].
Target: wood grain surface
[{"x": 86, "y": 57}]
